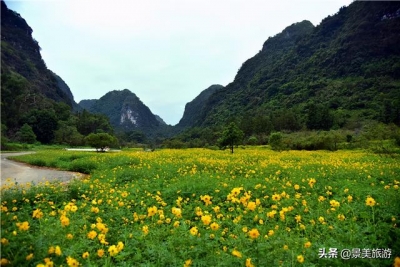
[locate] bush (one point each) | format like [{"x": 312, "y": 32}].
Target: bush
[
  {"x": 38, "y": 162},
  {"x": 276, "y": 141},
  {"x": 252, "y": 141},
  {"x": 82, "y": 166}
]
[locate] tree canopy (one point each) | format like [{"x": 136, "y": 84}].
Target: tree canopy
[{"x": 231, "y": 136}]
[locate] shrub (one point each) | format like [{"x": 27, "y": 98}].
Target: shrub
[
  {"x": 82, "y": 166},
  {"x": 276, "y": 141}
]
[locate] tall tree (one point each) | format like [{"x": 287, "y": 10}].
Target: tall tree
[{"x": 231, "y": 136}]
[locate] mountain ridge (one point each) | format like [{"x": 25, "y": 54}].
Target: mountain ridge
[{"x": 125, "y": 110}]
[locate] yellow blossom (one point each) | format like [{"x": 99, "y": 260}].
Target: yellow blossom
[
  {"x": 254, "y": 234},
  {"x": 248, "y": 263},
  {"x": 370, "y": 202},
  {"x": 100, "y": 253},
  {"x": 214, "y": 226},
  {"x": 24, "y": 226},
  {"x": 72, "y": 262},
  {"x": 37, "y": 214},
  {"x": 194, "y": 230},
  {"x": 300, "y": 258},
  {"x": 236, "y": 253},
  {"x": 187, "y": 263},
  {"x": 92, "y": 234},
  {"x": 206, "y": 219}
]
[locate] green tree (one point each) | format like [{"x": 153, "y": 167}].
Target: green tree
[
  {"x": 44, "y": 124},
  {"x": 100, "y": 141},
  {"x": 275, "y": 141},
  {"x": 26, "y": 134},
  {"x": 68, "y": 134},
  {"x": 231, "y": 136}
]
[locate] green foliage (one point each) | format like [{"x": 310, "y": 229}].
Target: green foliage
[
  {"x": 276, "y": 141},
  {"x": 231, "y": 136},
  {"x": 26, "y": 134},
  {"x": 44, "y": 123},
  {"x": 88, "y": 123},
  {"x": 252, "y": 140},
  {"x": 100, "y": 141},
  {"x": 68, "y": 134}
]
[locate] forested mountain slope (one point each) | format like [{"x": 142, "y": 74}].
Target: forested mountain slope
[{"x": 343, "y": 71}]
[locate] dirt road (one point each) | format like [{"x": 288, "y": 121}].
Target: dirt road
[{"x": 23, "y": 173}]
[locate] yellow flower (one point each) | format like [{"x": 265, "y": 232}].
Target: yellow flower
[
  {"x": 251, "y": 205},
  {"x": 4, "y": 262},
  {"x": 248, "y": 263},
  {"x": 177, "y": 212},
  {"x": 296, "y": 187},
  {"x": 341, "y": 217},
  {"x": 276, "y": 197},
  {"x": 24, "y": 226},
  {"x": 92, "y": 234},
  {"x": 64, "y": 220},
  {"x": 176, "y": 224},
  {"x": 300, "y": 258},
  {"x": 187, "y": 263},
  {"x": 206, "y": 219},
  {"x": 396, "y": 262},
  {"x": 194, "y": 230},
  {"x": 334, "y": 203},
  {"x": 72, "y": 262},
  {"x": 321, "y": 219},
  {"x": 321, "y": 198},
  {"x": 214, "y": 226},
  {"x": 95, "y": 209},
  {"x": 254, "y": 234},
  {"x": 4, "y": 241},
  {"x": 29, "y": 257},
  {"x": 370, "y": 202},
  {"x": 85, "y": 255},
  {"x": 70, "y": 236},
  {"x": 236, "y": 253},
  {"x": 57, "y": 251},
  {"x": 151, "y": 211},
  {"x": 311, "y": 182},
  {"x": 271, "y": 232},
  {"x": 120, "y": 246},
  {"x": 285, "y": 247},
  {"x": 100, "y": 253},
  {"x": 113, "y": 250},
  {"x": 298, "y": 218},
  {"x": 206, "y": 199},
  {"x": 307, "y": 244},
  {"x": 48, "y": 262},
  {"x": 145, "y": 229},
  {"x": 37, "y": 214},
  {"x": 349, "y": 198}
]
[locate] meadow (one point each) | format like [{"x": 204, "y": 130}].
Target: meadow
[{"x": 199, "y": 207}]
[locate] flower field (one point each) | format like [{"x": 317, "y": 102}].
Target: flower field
[{"x": 199, "y": 207}]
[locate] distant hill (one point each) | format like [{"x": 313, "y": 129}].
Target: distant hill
[
  {"x": 125, "y": 110},
  {"x": 194, "y": 109},
  {"x": 346, "y": 70}
]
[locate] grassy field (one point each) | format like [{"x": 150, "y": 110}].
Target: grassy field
[{"x": 201, "y": 207}]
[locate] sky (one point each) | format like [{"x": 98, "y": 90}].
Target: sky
[{"x": 164, "y": 51}]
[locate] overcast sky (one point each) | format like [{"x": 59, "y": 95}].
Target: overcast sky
[{"x": 165, "y": 51}]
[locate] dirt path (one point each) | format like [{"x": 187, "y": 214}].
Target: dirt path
[{"x": 24, "y": 173}]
